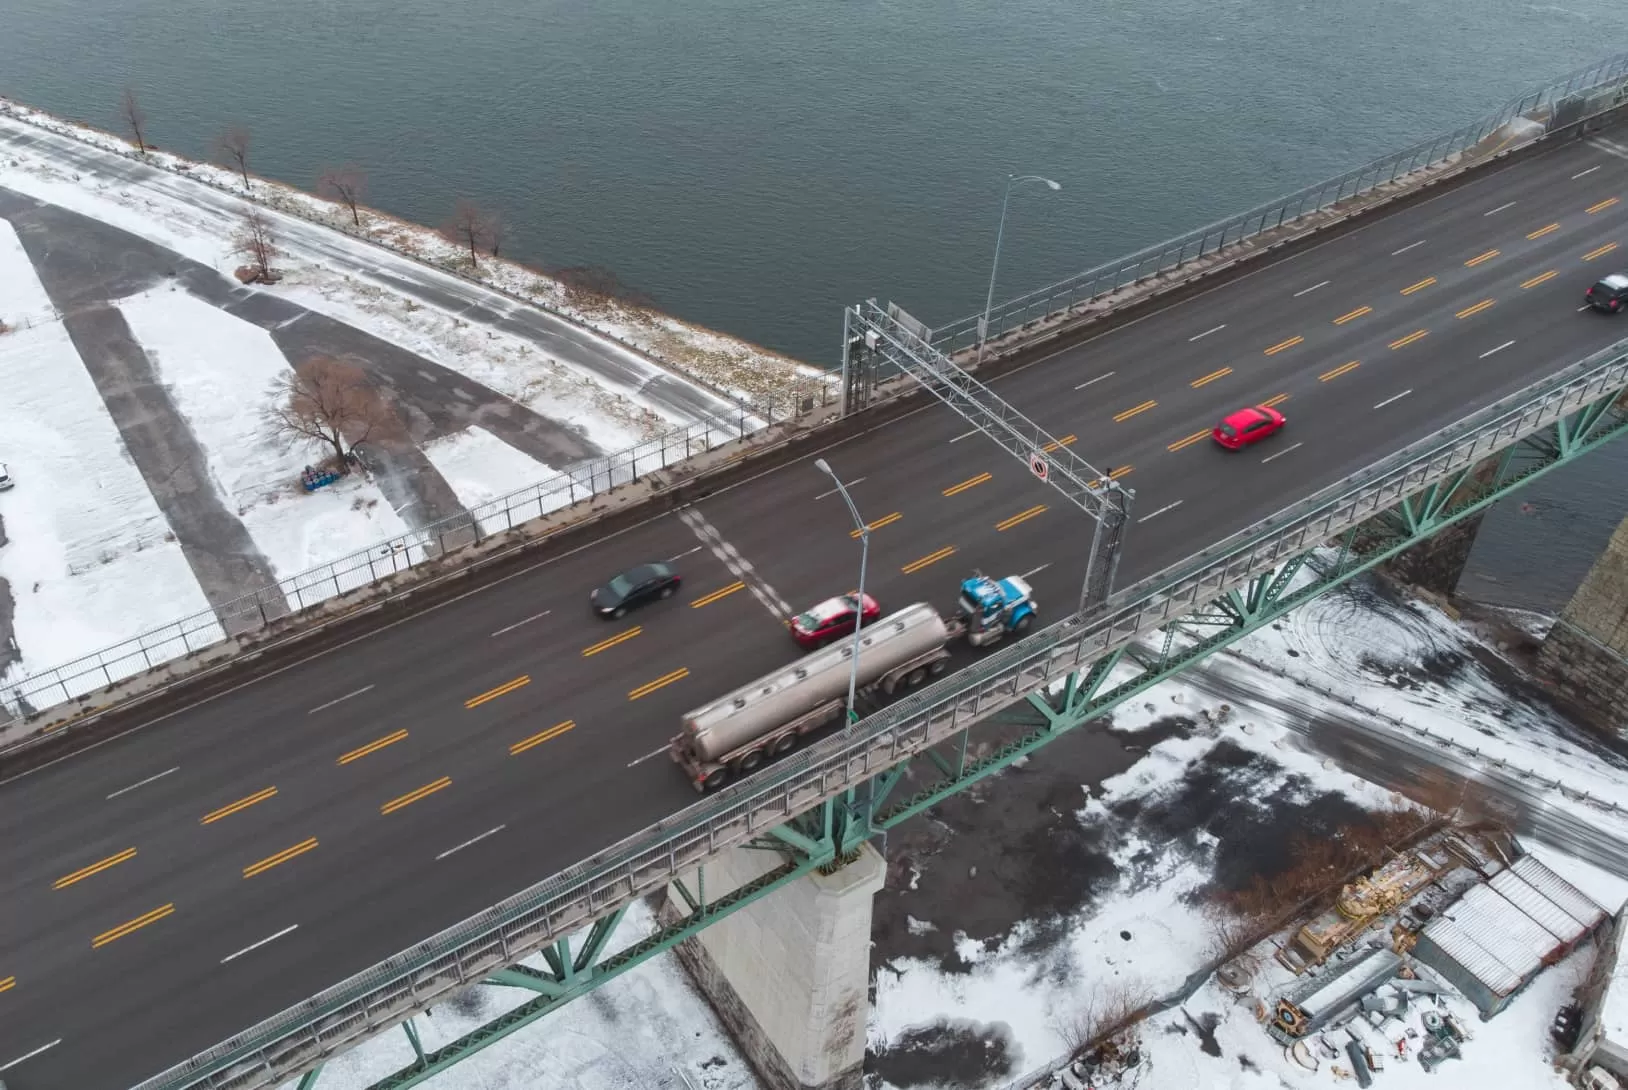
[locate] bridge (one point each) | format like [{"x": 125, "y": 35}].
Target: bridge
[{"x": 238, "y": 889}]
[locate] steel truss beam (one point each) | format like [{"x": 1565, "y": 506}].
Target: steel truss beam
[
  {"x": 875, "y": 335},
  {"x": 1086, "y": 696},
  {"x": 834, "y": 793}
]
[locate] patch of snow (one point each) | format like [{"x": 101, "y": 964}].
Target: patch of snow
[
  {"x": 89, "y": 558},
  {"x": 480, "y": 467}
]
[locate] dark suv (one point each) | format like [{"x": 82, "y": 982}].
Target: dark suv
[{"x": 1609, "y": 294}]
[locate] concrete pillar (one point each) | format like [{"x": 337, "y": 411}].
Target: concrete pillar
[
  {"x": 1585, "y": 656},
  {"x": 789, "y": 975},
  {"x": 1437, "y": 563}
]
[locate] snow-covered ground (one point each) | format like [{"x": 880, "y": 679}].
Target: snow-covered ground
[{"x": 480, "y": 467}]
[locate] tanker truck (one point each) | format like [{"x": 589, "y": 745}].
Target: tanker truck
[{"x": 735, "y": 734}]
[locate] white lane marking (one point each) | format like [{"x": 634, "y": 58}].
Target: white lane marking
[
  {"x": 1500, "y": 208},
  {"x": 253, "y": 946},
  {"x": 340, "y": 700},
  {"x": 1206, "y": 333},
  {"x": 528, "y": 620},
  {"x": 647, "y": 756},
  {"x": 471, "y": 840},
  {"x": 30, "y": 1055},
  {"x": 1160, "y": 511},
  {"x": 1035, "y": 571},
  {"x": 1584, "y": 307},
  {"x": 683, "y": 554},
  {"x": 1408, "y": 247},
  {"x": 1394, "y": 397},
  {"x": 143, "y": 783},
  {"x": 1610, "y": 147},
  {"x": 1281, "y": 453},
  {"x": 963, "y": 435},
  {"x": 1582, "y": 173},
  {"x": 845, "y": 484},
  {"x": 1109, "y": 374},
  {"x": 1500, "y": 348},
  {"x": 737, "y": 564},
  {"x": 1314, "y": 287}
]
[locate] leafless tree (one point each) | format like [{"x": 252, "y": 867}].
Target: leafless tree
[
  {"x": 470, "y": 226},
  {"x": 234, "y": 148},
  {"x": 1107, "y": 1006},
  {"x": 136, "y": 119},
  {"x": 254, "y": 240},
  {"x": 346, "y": 185},
  {"x": 494, "y": 232},
  {"x": 593, "y": 284},
  {"x": 329, "y": 403}
]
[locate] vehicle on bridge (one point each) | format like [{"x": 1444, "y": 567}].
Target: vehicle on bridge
[
  {"x": 1239, "y": 429},
  {"x": 832, "y": 619},
  {"x": 1609, "y": 293},
  {"x": 735, "y": 734},
  {"x": 638, "y": 586}
]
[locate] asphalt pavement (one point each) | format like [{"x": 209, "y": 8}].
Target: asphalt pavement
[{"x": 169, "y": 888}]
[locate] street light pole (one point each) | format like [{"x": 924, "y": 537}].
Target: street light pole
[
  {"x": 864, "y": 555},
  {"x": 994, "y": 266}
]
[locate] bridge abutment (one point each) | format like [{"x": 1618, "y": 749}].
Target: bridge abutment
[
  {"x": 1585, "y": 656},
  {"x": 789, "y": 975}
]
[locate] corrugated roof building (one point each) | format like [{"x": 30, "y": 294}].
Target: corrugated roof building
[{"x": 1498, "y": 937}]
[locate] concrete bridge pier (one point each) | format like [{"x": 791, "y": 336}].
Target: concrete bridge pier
[
  {"x": 789, "y": 975},
  {"x": 1585, "y": 656}
]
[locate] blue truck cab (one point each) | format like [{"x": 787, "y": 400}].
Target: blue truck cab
[{"x": 992, "y": 608}]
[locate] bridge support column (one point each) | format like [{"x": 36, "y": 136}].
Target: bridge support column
[
  {"x": 1437, "y": 563},
  {"x": 789, "y": 975},
  {"x": 1585, "y": 655}
]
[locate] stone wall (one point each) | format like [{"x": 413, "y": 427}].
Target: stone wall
[{"x": 1585, "y": 657}]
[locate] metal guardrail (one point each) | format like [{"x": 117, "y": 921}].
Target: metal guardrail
[
  {"x": 648, "y": 860},
  {"x": 384, "y": 558},
  {"x": 1546, "y": 105}
]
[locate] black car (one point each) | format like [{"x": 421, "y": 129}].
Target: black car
[
  {"x": 633, "y": 588},
  {"x": 1609, "y": 294}
]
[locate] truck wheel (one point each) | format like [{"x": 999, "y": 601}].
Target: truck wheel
[
  {"x": 749, "y": 763},
  {"x": 915, "y": 677},
  {"x": 938, "y": 667},
  {"x": 783, "y": 746},
  {"x": 715, "y": 779},
  {"x": 1021, "y": 625}
]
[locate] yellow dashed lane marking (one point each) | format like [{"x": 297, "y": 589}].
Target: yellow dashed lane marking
[
  {"x": 1353, "y": 315},
  {"x": 885, "y": 520},
  {"x": 970, "y": 482},
  {"x": 540, "y": 737},
  {"x": 1541, "y": 231},
  {"x": 1021, "y": 516},
  {"x": 1476, "y": 309},
  {"x": 1329, "y": 376},
  {"x": 1541, "y": 278},
  {"x": 413, "y": 796},
  {"x": 1420, "y": 286},
  {"x": 1189, "y": 440},
  {"x": 708, "y": 599},
  {"x": 1480, "y": 258},
  {"x": 661, "y": 682},
  {"x": 1128, "y": 413},
  {"x": 1282, "y": 346},
  {"x": 1600, "y": 251},
  {"x": 931, "y": 558},
  {"x": 1602, "y": 206},
  {"x": 1403, "y": 342},
  {"x": 1211, "y": 377}
]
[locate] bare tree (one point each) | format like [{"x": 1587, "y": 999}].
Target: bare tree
[
  {"x": 346, "y": 185},
  {"x": 234, "y": 148},
  {"x": 136, "y": 119},
  {"x": 1108, "y": 1006},
  {"x": 254, "y": 240},
  {"x": 329, "y": 403},
  {"x": 586, "y": 284},
  {"x": 494, "y": 232},
  {"x": 470, "y": 226}
]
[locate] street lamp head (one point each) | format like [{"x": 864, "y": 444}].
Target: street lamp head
[
  {"x": 1051, "y": 184},
  {"x": 823, "y": 466}
]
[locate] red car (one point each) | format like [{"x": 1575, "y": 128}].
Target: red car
[
  {"x": 1247, "y": 426},
  {"x": 831, "y": 619}
]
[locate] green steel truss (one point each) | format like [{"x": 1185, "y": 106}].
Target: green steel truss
[{"x": 828, "y": 836}]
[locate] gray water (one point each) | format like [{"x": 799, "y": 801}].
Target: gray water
[{"x": 754, "y": 166}]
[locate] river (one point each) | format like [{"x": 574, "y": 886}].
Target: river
[{"x": 754, "y": 166}]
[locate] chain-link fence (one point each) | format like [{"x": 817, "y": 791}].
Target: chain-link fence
[
  {"x": 253, "y": 611},
  {"x": 1567, "y": 101}
]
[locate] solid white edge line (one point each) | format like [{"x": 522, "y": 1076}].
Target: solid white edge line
[
  {"x": 1408, "y": 247},
  {"x": 339, "y": 700},
  {"x": 471, "y": 840},
  {"x": 533, "y": 617},
  {"x": 143, "y": 783},
  {"x": 1281, "y": 453},
  {"x": 1491, "y": 351},
  {"x": 1394, "y": 397},
  {"x": 964, "y": 434},
  {"x": 1160, "y": 511},
  {"x": 1590, "y": 170},
  {"x": 647, "y": 756},
  {"x": 1204, "y": 334},
  {"x": 1314, "y": 287},
  {"x": 257, "y": 945},
  {"x": 1099, "y": 378},
  {"x": 1500, "y": 208},
  {"x": 30, "y": 1055}
]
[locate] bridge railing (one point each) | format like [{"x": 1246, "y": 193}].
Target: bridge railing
[
  {"x": 646, "y": 861},
  {"x": 1543, "y": 106}
]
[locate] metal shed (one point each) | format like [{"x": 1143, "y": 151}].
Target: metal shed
[
  {"x": 1320, "y": 1000},
  {"x": 1499, "y": 926},
  {"x": 1556, "y": 889},
  {"x": 1469, "y": 966},
  {"x": 1554, "y": 919}
]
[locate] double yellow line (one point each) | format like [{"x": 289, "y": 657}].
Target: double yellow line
[
  {"x": 661, "y": 682},
  {"x": 1051, "y": 448},
  {"x": 1021, "y": 516},
  {"x": 8, "y": 983},
  {"x": 1420, "y": 286},
  {"x": 931, "y": 558},
  {"x": 506, "y": 688},
  {"x": 1601, "y": 206},
  {"x": 885, "y": 520},
  {"x": 372, "y": 747},
  {"x": 1344, "y": 368},
  {"x": 136, "y": 924},
  {"x": 1599, "y": 251},
  {"x": 1479, "y": 258},
  {"x": 1283, "y": 346},
  {"x": 1353, "y": 315},
  {"x": 1211, "y": 377},
  {"x": 606, "y": 645},
  {"x": 970, "y": 482},
  {"x": 1403, "y": 342},
  {"x": 1180, "y": 444},
  {"x": 413, "y": 796},
  {"x": 243, "y": 804},
  {"x": 540, "y": 737},
  {"x": 95, "y": 868},
  {"x": 281, "y": 857},
  {"x": 1476, "y": 309},
  {"x": 1128, "y": 413},
  {"x": 708, "y": 599}
]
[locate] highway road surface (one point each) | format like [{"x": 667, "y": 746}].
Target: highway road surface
[{"x": 173, "y": 887}]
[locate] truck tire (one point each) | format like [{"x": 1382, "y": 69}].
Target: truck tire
[
  {"x": 749, "y": 763},
  {"x": 784, "y": 745},
  {"x": 1021, "y": 625},
  {"x": 938, "y": 667},
  {"x": 915, "y": 677},
  {"x": 715, "y": 779}
]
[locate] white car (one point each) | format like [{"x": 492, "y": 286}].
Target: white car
[{"x": 5, "y": 477}]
